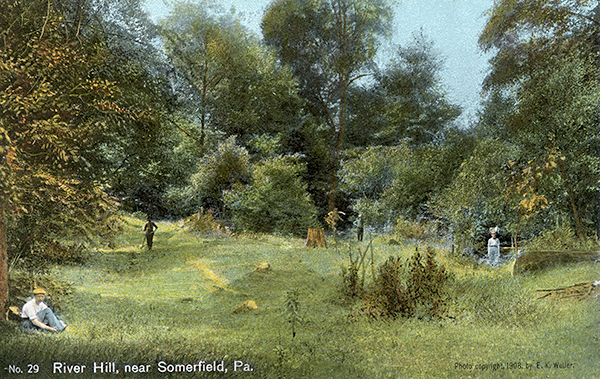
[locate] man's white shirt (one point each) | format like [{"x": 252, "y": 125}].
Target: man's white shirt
[{"x": 31, "y": 308}]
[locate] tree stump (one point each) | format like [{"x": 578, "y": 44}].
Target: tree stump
[{"x": 316, "y": 238}]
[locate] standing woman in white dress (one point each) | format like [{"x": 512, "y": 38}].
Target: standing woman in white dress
[{"x": 494, "y": 247}]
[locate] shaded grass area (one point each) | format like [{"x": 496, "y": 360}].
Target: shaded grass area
[{"x": 174, "y": 304}]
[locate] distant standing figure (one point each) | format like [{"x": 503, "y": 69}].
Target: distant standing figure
[
  {"x": 360, "y": 228},
  {"x": 494, "y": 247},
  {"x": 149, "y": 228},
  {"x": 37, "y": 316}
]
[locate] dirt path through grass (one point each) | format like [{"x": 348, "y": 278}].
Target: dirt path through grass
[{"x": 175, "y": 269}]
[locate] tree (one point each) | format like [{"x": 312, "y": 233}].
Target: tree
[
  {"x": 413, "y": 104},
  {"x": 226, "y": 77},
  {"x": 259, "y": 98},
  {"x": 202, "y": 48},
  {"x": 367, "y": 174},
  {"x": 52, "y": 107},
  {"x": 217, "y": 172},
  {"x": 547, "y": 59},
  {"x": 389, "y": 182},
  {"x": 475, "y": 200},
  {"x": 524, "y": 185},
  {"x": 275, "y": 200},
  {"x": 427, "y": 171},
  {"x": 134, "y": 156},
  {"x": 329, "y": 44}
]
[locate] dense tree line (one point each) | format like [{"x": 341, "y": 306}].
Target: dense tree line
[{"x": 102, "y": 109}]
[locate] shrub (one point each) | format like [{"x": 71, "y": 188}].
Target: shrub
[
  {"x": 219, "y": 171},
  {"x": 352, "y": 284},
  {"x": 389, "y": 297},
  {"x": 276, "y": 201},
  {"x": 417, "y": 230},
  {"x": 416, "y": 289},
  {"x": 204, "y": 224},
  {"x": 561, "y": 237},
  {"x": 42, "y": 255},
  {"x": 21, "y": 285},
  {"x": 427, "y": 285}
]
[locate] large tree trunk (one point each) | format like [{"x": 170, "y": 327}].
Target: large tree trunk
[
  {"x": 563, "y": 175},
  {"x": 339, "y": 140},
  {"x": 3, "y": 259}
]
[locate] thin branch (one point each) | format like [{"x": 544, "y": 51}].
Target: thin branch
[
  {"x": 45, "y": 21},
  {"x": 198, "y": 142},
  {"x": 352, "y": 80}
]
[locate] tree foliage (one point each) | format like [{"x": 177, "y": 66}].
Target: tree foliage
[
  {"x": 329, "y": 44},
  {"x": 412, "y": 103},
  {"x": 546, "y": 60},
  {"x": 215, "y": 173},
  {"x": 275, "y": 200},
  {"x": 225, "y": 78},
  {"x": 392, "y": 182},
  {"x": 475, "y": 200},
  {"x": 53, "y": 107}
]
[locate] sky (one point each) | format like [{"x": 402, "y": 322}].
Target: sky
[{"x": 453, "y": 25}]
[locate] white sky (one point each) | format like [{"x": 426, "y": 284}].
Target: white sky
[{"x": 454, "y": 26}]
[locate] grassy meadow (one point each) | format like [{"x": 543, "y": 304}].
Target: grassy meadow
[{"x": 157, "y": 313}]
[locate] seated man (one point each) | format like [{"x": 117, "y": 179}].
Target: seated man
[{"x": 37, "y": 316}]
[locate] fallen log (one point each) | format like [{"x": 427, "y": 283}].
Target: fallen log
[
  {"x": 581, "y": 291},
  {"x": 536, "y": 260}
]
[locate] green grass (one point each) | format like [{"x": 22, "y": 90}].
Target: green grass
[{"x": 175, "y": 302}]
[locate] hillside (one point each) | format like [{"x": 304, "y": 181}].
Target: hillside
[{"x": 154, "y": 312}]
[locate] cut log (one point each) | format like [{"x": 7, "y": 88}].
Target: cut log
[
  {"x": 581, "y": 291},
  {"x": 537, "y": 260},
  {"x": 316, "y": 238}
]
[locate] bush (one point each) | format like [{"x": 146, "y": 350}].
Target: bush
[
  {"x": 276, "y": 201},
  {"x": 42, "y": 255},
  {"x": 389, "y": 297},
  {"x": 417, "y": 230},
  {"x": 352, "y": 283},
  {"x": 219, "y": 171},
  {"x": 427, "y": 285},
  {"x": 417, "y": 289},
  {"x": 21, "y": 285},
  {"x": 204, "y": 224},
  {"x": 561, "y": 237}
]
